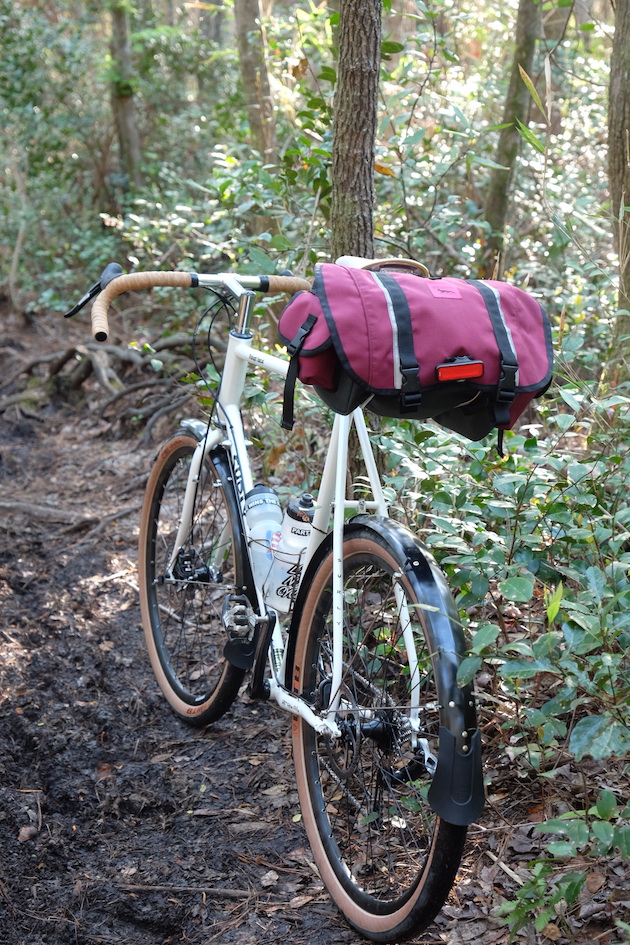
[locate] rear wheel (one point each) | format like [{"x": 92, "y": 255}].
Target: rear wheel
[
  {"x": 387, "y": 859},
  {"x": 182, "y": 603}
]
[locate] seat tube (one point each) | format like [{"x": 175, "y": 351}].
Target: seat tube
[
  {"x": 342, "y": 428},
  {"x": 412, "y": 655}
]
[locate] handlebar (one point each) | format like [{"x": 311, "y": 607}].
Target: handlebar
[{"x": 176, "y": 278}]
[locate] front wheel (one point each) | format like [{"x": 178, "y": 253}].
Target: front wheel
[
  {"x": 182, "y": 601},
  {"x": 386, "y": 858}
]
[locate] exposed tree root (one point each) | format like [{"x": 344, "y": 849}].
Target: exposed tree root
[{"x": 125, "y": 374}]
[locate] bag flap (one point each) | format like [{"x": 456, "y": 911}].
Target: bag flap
[
  {"x": 449, "y": 319},
  {"x": 293, "y": 318}
]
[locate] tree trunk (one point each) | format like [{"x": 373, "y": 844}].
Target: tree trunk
[
  {"x": 123, "y": 105},
  {"x": 251, "y": 51},
  {"x": 354, "y": 128},
  {"x": 354, "y": 133},
  {"x": 619, "y": 178},
  {"x": 211, "y": 22},
  {"x": 516, "y": 108}
]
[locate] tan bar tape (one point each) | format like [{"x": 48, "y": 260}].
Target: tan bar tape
[
  {"x": 288, "y": 284},
  {"x": 128, "y": 283},
  {"x": 146, "y": 280}
]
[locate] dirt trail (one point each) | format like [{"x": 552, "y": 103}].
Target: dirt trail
[{"x": 117, "y": 822}]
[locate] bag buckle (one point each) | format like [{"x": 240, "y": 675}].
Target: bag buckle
[
  {"x": 411, "y": 392},
  {"x": 506, "y": 389},
  {"x": 506, "y": 394},
  {"x": 295, "y": 346}
]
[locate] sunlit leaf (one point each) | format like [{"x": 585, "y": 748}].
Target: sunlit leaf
[
  {"x": 487, "y": 162},
  {"x": 485, "y": 636},
  {"x": 606, "y": 804},
  {"x": 530, "y": 137},
  {"x": 599, "y": 736},
  {"x": 553, "y": 603},
  {"x": 532, "y": 90},
  {"x": 383, "y": 169},
  {"x": 467, "y": 670}
]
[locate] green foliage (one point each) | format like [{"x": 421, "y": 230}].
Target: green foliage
[
  {"x": 602, "y": 830},
  {"x": 443, "y": 81},
  {"x": 542, "y": 896},
  {"x": 538, "y": 545}
]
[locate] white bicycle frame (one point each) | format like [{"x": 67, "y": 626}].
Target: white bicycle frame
[{"x": 240, "y": 357}]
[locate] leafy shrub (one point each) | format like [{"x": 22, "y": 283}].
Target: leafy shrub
[{"x": 537, "y": 544}]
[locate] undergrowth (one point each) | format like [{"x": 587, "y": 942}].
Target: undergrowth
[{"x": 536, "y": 545}]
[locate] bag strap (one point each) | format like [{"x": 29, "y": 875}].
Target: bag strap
[
  {"x": 506, "y": 388},
  {"x": 398, "y": 307},
  {"x": 293, "y": 350}
]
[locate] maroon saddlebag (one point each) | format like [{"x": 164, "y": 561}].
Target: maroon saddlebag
[{"x": 469, "y": 354}]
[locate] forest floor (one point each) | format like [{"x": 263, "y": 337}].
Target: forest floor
[{"x": 119, "y": 824}]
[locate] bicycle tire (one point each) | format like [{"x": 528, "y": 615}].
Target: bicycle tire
[
  {"x": 182, "y": 616},
  {"x": 387, "y": 859}
]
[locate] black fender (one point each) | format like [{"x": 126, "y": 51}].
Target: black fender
[{"x": 456, "y": 793}]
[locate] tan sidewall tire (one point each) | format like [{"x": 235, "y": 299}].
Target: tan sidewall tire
[
  {"x": 377, "y": 926},
  {"x": 182, "y": 708}
]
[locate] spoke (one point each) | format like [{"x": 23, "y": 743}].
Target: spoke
[{"x": 372, "y": 777}]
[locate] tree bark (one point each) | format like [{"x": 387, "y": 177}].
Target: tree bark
[
  {"x": 354, "y": 133},
  {"x": 123, "y": 103},
  {"x": 354, "y": 128},
  {"x": 619, "y": 180},
  {"x": 211, "y": 22},
  {"x": 516, "y": 108},
  {"x": 251, "y": 52}
]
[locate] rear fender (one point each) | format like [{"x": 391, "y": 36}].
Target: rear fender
[{"x": 456, "y": 793}]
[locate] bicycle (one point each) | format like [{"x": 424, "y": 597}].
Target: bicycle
[{"x": 361, "y": 646}]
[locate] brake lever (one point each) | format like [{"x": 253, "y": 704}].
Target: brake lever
[{"x": 111, "y": 271}]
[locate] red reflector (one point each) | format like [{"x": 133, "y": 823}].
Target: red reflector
[{"x": 459, "y": 370}]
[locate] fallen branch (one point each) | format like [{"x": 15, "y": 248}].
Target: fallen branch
[
  {"x": 130, "y": 355},
  {"x": 102, "y": 367},
  {"x": 211, "y": 891},
  {"x": 59, "y": 361},
  {"x": 168, "y": 408},
  {"x": 7, "y": 402},
  {"x": 185, "y": 339},
  {"x": 47, "y": 513},
  {"x": 138, "y": 482},
  {"x": 131, "y": 389},
  {"x": 28, "y": 366},
  {"x": 506, "y": 869},
  {"x": 103, "y": 523}
]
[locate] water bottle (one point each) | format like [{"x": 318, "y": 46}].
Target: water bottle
[
  {"x": 289, "y": 546},
  {"x": 263, "y": 516}
]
